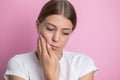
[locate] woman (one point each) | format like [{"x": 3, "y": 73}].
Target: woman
[{"x": 55, "y": 25}]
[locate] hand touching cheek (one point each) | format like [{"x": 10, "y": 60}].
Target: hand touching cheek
[{"x": 48, "y": 60}]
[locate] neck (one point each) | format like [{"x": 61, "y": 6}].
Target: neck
[{"x": 59, "y": 54}]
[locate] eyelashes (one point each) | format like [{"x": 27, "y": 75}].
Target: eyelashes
[
  {"x": 64, "y": 33},
  {"x": 50, "y": 29}
]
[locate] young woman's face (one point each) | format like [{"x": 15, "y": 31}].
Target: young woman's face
[{"x": 56, "y": 29}]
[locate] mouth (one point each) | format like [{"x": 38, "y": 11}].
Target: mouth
[{"x": 54, "y": 47}]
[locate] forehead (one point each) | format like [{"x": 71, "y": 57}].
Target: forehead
[{"x": 59, "y": 21}]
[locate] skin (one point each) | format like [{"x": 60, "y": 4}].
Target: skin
[{"x": 54, "y": 30}]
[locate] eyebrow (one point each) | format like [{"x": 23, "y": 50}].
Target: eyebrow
[{"x": 55, "y": 26}]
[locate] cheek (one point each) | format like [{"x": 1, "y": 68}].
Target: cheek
[
  {"x": 46, "y": 35},
  {"x": 64, "y": 41}
]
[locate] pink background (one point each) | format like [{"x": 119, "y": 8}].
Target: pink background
[{"x": 97, "y": 33}]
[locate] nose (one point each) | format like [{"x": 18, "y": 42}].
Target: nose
[{"x": 56, "y": 37}]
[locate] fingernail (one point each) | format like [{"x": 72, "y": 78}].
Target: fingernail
[{"x": 48, "y": 45}]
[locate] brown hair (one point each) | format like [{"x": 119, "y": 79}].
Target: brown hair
[{"x": 59, "y": 7}]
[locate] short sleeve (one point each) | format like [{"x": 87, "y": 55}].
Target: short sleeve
[
  {"x": 15, "y": 67},
  {"x": 87, "y": 66}
]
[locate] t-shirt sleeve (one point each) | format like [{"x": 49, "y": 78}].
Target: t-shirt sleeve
[
  {"x": 15, "y": 67},
  {"x": 87, "y": 66}
]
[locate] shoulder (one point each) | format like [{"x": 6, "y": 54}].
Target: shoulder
[
  {"x": 21, "y": 59},
  {"x": 18, "y": 65},
  {"x": 23, "y": 56},
  {"x": 79, "y": 60},
  {"x": 76, "y": 56},
  {"x": 81, "y": 63}
]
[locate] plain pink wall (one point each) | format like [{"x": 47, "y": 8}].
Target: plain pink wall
[{"x": 97, "y": 33}]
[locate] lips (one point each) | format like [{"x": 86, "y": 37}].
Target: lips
[{"x": 54, "y": 47}]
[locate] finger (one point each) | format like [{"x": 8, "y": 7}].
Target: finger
[
  {"x": 50, "y": 51},
  {"x": 44, "y": 45},
  {"x": 39, "y": 47}
]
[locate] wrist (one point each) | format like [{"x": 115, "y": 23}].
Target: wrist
[{"x": 50, "y": 77}]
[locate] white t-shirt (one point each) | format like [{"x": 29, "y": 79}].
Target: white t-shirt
[{"x": 72, "y": 66}]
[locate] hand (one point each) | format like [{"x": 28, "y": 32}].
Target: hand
[{"x": 48, "y": 60}]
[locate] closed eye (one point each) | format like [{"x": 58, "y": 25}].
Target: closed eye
[
  {"x": 50, "y": 29},
  {"x": 66, "y": 33}
]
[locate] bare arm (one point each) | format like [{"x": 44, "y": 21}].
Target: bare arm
[
  {"x": 89, "y": 76},
  {"x": 12, "y": 77}
]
